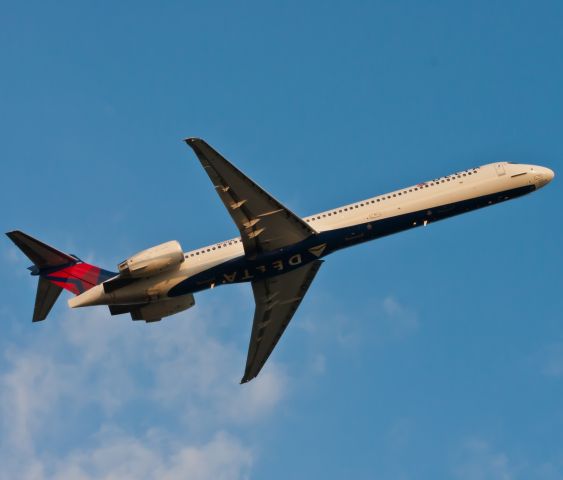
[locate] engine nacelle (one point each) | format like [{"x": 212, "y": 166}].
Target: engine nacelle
[
  {"x": 153, "y": 312},
  {"x": 153, "y": 260}
]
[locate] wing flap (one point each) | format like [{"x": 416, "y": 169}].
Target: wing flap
[{"x": 277, "y": 299}]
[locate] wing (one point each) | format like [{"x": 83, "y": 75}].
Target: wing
[
  {"x": 277, "y": 299},
  {"x": 264, "y": 223}
]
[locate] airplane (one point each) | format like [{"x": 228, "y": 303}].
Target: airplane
[{"x": 277, "y": 252}]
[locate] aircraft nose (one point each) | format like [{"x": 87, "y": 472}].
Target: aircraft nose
[
  {"x": 542, "y": 175},
  {"x": 549, "y": 174}
]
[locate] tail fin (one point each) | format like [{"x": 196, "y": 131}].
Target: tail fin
[{"x": 56, "y": 270}]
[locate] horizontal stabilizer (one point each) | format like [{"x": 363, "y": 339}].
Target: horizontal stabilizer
[
  {"x": 41, "y": 254},
  {"x": 45, "y": 298}
]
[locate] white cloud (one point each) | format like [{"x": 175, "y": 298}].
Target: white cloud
[
  {"x": 479, "y": 461},
  {"x": 129, "y": 458},
  {"x": 124, "y": 457},
  {"x": 16, "y": 260},
  {"x": 27, "y": 392},
  {"x": 257, "y": 398},
  {"x": 11, "y": 255},
  {"x": 326, "y": 320},
  {"x": 318, "y": 364},
  {"x": 401, "y": 320},
  {"x": 88, "y": 365},
  {"x": 552, "y": 359},
  {"x": 382, "y": 319},
  {"x": 399, "y": 435},
  {"x": 195, "y": 371}
]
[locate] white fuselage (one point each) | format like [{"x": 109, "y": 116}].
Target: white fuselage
[
  {"x": 453, "y": 188},
  {"x": 473, "y": 183}
]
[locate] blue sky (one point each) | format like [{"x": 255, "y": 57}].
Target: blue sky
[{"x": 437, "y": 353}]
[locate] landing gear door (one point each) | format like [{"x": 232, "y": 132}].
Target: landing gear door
[{"x": 499, "y": 167}]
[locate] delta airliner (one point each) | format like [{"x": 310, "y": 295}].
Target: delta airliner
[{"x": 278, "y": 252}]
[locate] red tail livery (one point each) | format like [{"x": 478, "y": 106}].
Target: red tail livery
[{"x": 56, "y": 270}]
